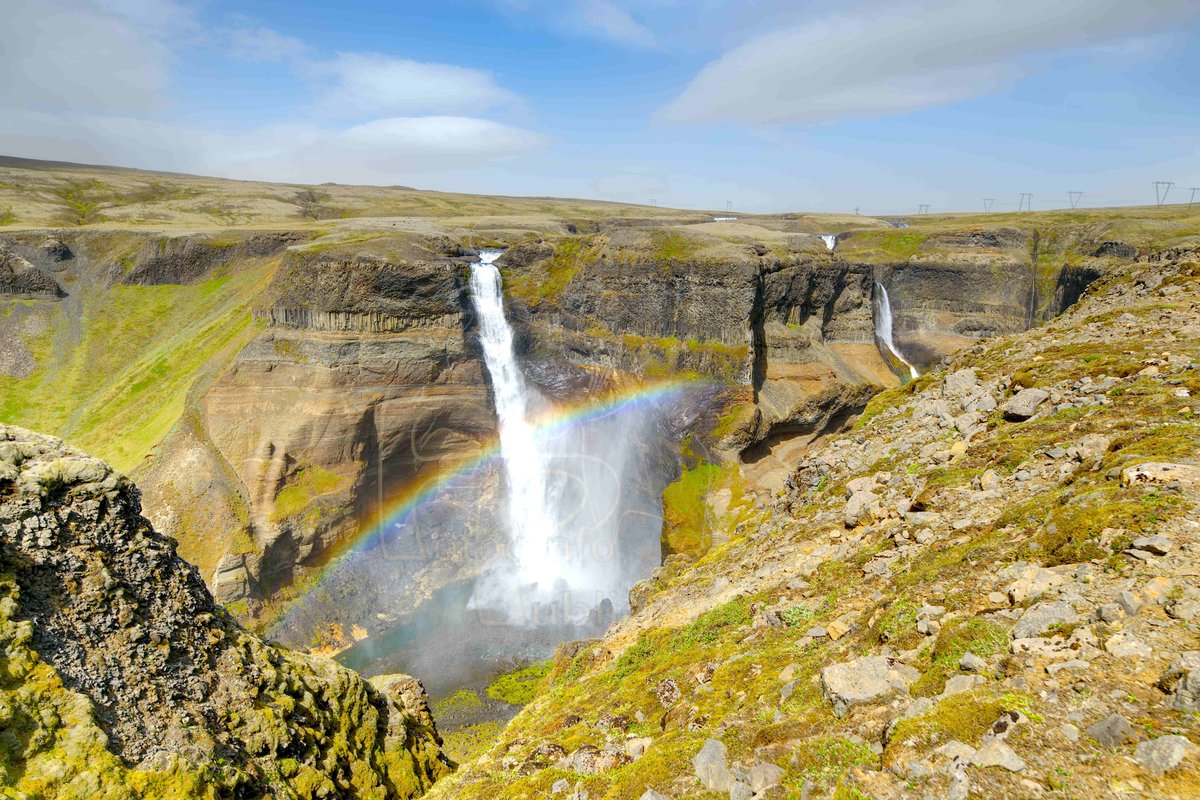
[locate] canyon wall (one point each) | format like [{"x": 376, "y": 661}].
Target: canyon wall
[{"x": 351, "y": 370}]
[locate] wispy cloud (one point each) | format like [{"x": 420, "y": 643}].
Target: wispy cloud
[
  {"x": 260, "y": 43},
  {"x": 891, "y": 57},
  {"x": 370, "y": 83},
  {"x": 612, "y": 21}
]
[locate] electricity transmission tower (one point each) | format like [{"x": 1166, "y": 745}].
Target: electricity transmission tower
[
  {"x": 1026, "y": 203},
  {"x": 1192, "y": 199},
  {"x": 1074, "y": 196},
  {"x": 1161, "y": 190},
  {"x": 923, "y": 209},
  {"x": 856, "y": 211},
  {"x": 987, "y": 203},
  {"x": 653, "y": 203}
]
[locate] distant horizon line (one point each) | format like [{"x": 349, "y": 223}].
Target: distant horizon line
[{"x": 42, "y": 163}]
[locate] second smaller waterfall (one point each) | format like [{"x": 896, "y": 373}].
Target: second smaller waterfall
[{"x": 883, "y": 327}]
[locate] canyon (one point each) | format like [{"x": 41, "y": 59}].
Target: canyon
[{"x": 309, "y": 409}]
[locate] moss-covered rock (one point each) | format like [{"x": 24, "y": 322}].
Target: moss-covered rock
[{"x": 121, "y": 677}]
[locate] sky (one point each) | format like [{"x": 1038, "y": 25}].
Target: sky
[{"x": 766, "y": 105}]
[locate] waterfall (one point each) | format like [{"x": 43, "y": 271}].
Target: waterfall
[
  {"x": 583, "y": 515},
  {"x": 524, "y": 467},
  {"x": 883, "y": 326},
  {"x": 830, "y": 240}
]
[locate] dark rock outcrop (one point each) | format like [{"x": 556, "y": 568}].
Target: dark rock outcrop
[
  {"x": 102, "y": 599},
  {"x": 187, "y": 259},
  {"x": 19, "y": 277}
]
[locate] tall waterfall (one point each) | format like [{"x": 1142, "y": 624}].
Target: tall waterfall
[
  {"x": 524, "y": 467},
  {"x": 883, "y": 326},
  {"x": 583, "y": 527}
]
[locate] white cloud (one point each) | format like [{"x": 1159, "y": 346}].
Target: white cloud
[
  {"x": 383, "y": 151},
  {"x": 86, "y": 55},
  {"x": 369, "y": 83},
  {"x": 611, "y": 21},
  {"x": 890, "y": 57},
  {"x": 260, "y": 43}
]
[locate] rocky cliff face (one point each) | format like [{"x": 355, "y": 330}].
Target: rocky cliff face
[
  {"x": 792, "y": 331},
  {"x": 363, "y": 381},
  {"x": 122, "y": 674}
]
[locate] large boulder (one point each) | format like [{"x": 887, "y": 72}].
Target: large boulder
[
  {"x": 1024, "y": 404},
  {"x": 869, "y": 679}
]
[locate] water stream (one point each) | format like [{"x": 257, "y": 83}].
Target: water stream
[
  {"x": 524, "y": 466},
  {"x": 883, "y": 327},
  {"x": 583, "y": 520}
]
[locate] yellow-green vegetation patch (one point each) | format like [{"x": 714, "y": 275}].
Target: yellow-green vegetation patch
[
  {"x": 957, "y": 638},
  {"x": 897, "y": 624},
  {"x": 885, "y": 244},
  {"x": 1068, "y": 526},
  {"x": 520, "y": 686},
  {"x": 50, "y": 744},
  {"x": 962, "y": 717},
  {"x": 891, "y": 398},
  {"x": 466, "y": 743},
  {"x": 545, "y": 282},
  {"x": 306, "y": 485},
  {"x": 824, "y": 762},
  {"x": 705, "y": 504},
  {"x": 1169, "y": 442},
  {"x": 668, "y": 356},
  {"x": 463, "y": 700},
  {"x": 116, "y": 381},
  {"x": 671, "y": 245}
]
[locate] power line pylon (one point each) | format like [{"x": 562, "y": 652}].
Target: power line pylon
[
  {"x": 1192, "y": 199},
  {"x": 923, "y": 209},
  {"x": 987, "y": 203},
  {"x": 1026, "y": 203},
  {"x": 1161, "y": 190},
  {"x": 1074, "y": 197}
]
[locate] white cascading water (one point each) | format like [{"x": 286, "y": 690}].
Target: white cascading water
[
  {"x": 830, "y": 240},
  {"x": 581, "y": 531},
  {"x": 524, "y": 467},
  {"x": 883, "y": 326}
]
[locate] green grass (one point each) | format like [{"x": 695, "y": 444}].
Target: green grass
[
  {"x": 957, "y": 638},
  {"x": 520, "y": 686},
  {"x": 668, "y": 245},
  {"x": 305, "y": 485},
  {"x": 116, "y": 381}
]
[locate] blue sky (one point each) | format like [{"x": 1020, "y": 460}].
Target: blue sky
[{"x": 773, "y": 105}]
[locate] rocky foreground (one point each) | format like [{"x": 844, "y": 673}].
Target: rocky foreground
[
  {"x": 120, "y": 676},
  {"x": 989, "y": 588}
]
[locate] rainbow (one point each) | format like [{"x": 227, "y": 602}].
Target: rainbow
[{"x": 404, "y": 502}]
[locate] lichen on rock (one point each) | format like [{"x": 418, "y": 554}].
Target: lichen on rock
[{"x": 123, "y": 677}]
